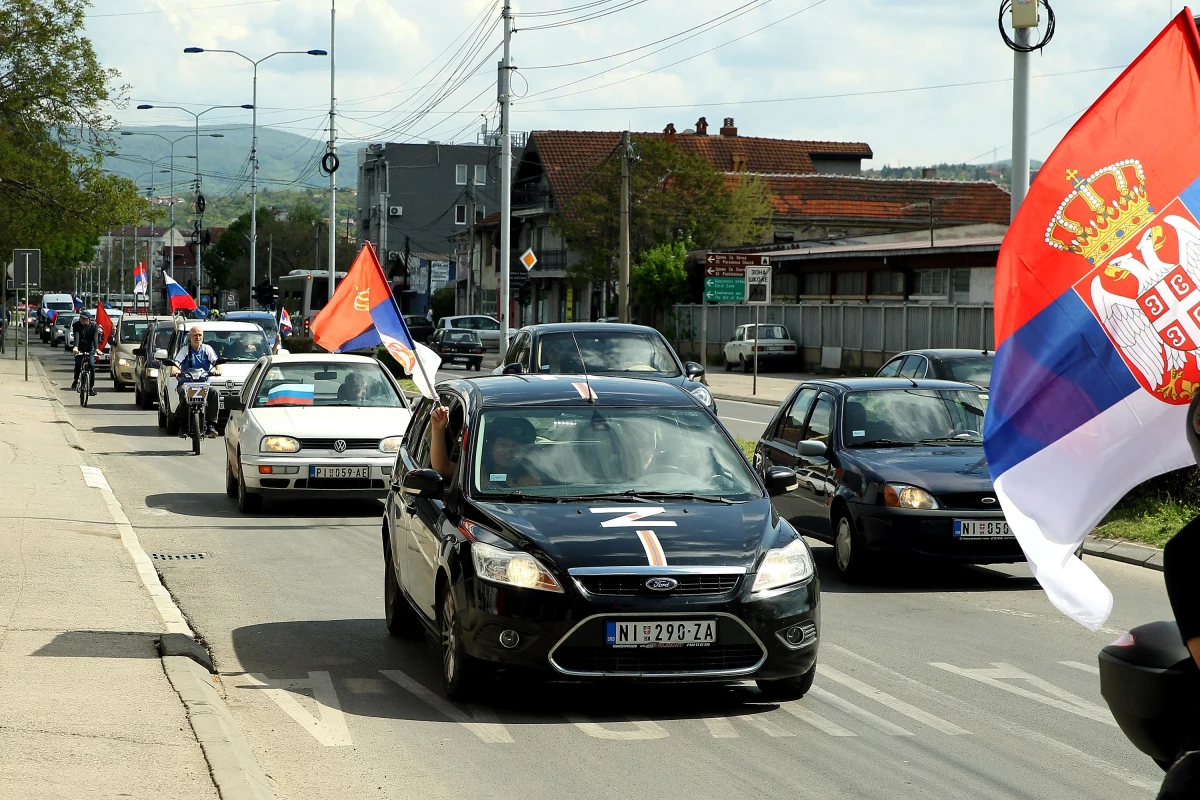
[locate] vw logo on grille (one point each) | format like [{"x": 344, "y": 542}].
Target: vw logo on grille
[
  {"x": 989, "y": 500},
  {"x": 340, "y": 445},
  {"x": 662, "y": 584},
  {"x": 230, "y": 384}
]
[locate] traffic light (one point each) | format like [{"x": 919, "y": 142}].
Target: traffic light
[
  {"x": 272, "y": 296},
  {"x": 525, "y": 294},
  {"x": 253, "y": 296}
]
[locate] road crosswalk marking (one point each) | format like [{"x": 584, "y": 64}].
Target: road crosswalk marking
[
  {"x": 894, "y": 703},
  {"x": 329, "y": 726},
  {"x": 877, "y": 722},
  {"x": 642, "y": 728},
  {"x": 1092, "y": 668},
  {"x": 1050, "y": 694},
  {"x": 480, "y": 721},
  {"x": 806, "y": 714}
]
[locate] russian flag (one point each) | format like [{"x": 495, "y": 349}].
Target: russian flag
[
  {"x": 363, "y": 313},
  {"x": 1098, "y": 318},
  {"x": 51, "y": 315},
  {"x": 141, "y": 282},
  {"x": 78, "y": 303},
  {"x": 291, "y": 394},
  {"x": 285, "y": 323},
  {"x": 178, "y": 298}
]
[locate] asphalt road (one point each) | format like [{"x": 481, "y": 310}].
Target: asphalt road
[{"x": 941, "y": 683}]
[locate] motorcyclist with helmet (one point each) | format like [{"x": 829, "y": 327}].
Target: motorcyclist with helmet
[
  {"x": 195, "y": 357},
  {"x": 87, "y": 342}
]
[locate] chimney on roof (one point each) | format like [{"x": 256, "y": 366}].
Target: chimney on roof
[
  {"x": 669, "y": 132},
  {"x": 929, "y": 173},
  {"x": 702, "y": 127},
  {"x": 728, "y": 128}
]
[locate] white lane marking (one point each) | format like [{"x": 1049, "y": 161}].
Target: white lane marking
[
  {"x": 164, "y": 604},
  {"x": 720, "y": 727},
  {"x": 329, "y": 726},
  {"x": 885, "y": 699},
  {"x": 642, "y": 728},
  {"x": 479, "y": 721},
  {"x": 747, "y": 421},
  {"x": 861, "y": 714},
  {"x": 1038, "y": 739},
  {"x": 633, "y": 519},
  {"x": 1054, "y": 696},
  {"x": 816, "y": 720},
  {"x": 1092, "y": 668}
]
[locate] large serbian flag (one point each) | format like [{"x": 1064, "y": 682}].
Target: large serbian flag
[
  {"x": 363, "y": 313},
  {"x": 177, "y": 296},
  {"x": 1098, "y": 318},
  {"x": 141, "y": 281}
]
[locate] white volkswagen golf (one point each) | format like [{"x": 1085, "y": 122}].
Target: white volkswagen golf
[{"x": 313, "y": 426}]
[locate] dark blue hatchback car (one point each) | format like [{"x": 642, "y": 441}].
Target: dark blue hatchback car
[{"x": 888, "y": 466}]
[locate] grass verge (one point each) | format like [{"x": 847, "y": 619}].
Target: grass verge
[
  {"x": 747, "y": 446},
  {"x": 1147, "y": 520}
]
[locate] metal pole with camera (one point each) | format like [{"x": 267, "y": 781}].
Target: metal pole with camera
[{"x": 1025, "y": 18}]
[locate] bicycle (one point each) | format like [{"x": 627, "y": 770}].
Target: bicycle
[{"x": 87, "y": 377}]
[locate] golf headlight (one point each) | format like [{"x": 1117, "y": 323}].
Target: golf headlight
[
  {"x": 512, "y": 568},
  {"x": 703, "y": 395},
  {"x": 391, "y": 444},
  {"x": 124, "y": 362},
  {"x": 899, "y": 495},
  {"x": 784, "y": 566},
  {"x": 279, "y": 444}
]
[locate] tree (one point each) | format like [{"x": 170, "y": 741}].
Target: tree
[
  {"x": 749, "y": 216},
  {"x": 659, "y": 278}
]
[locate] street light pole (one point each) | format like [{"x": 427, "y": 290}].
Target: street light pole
[
  {"x": 505, "y": 81},
  {"x": 332, "y": 155}
]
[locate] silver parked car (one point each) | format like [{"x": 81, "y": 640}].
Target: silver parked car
[{"x": 487, "y": 328}]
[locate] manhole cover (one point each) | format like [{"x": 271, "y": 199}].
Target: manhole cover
[{"x": 178, "y": 556}]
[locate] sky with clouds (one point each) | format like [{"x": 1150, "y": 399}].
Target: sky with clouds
[{"x": 920, "y": 81}]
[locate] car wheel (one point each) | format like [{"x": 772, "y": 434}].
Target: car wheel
[
  {"x": 728, "y": 364},
  {"x": 743, "y": 363},
  {"x": 788, "y": 688},
  {"x": 458, "y": 669},
  {"x": 162, "y": 417},
  {"x": 231, "y": 482},
  {"x": 172, "y": 425},
  {"x": 401, "y": 619},
  {"x": 118, "y": 386},
  {"x": 850, "y": 555},
  {"x": 138, "y": 400},
  {"x": 248, "y": 502}
]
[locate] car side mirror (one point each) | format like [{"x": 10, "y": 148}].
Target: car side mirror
[
  {"x": 166, "y": 362},
  {"x": 423, "y": 482},
  {"x": 780, "y": 480},
  {"x": 139, "y": 351},
  {"x": 693, "y": 370},
  {"x": 812, "y": 448},
  {"x": 515, "y": 368},
  {"x": 160, "y": 354}
]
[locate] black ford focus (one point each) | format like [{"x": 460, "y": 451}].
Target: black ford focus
[{"x": 595, "y": 530}]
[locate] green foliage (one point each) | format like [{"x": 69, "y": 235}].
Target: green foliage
[
  {"x": 442, "y": 302},
  {"x": 748, "y": 219},
  {"x": 1155, "y": 511},
  {"x": 999, "y": 172},
  {"x": 659, "y": 278}
]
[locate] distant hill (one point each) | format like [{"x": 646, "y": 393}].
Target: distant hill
[{"x": 998, "y": 172}]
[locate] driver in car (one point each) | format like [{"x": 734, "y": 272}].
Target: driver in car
[
  {"x": 195, "y": 356},
  {"x": 503, "y": 464}
]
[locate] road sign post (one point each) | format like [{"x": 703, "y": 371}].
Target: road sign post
[
  {"x": 27, "y": 264},
  {"x": 725, "y": 282},
  {"x": 758, "y": 294}
]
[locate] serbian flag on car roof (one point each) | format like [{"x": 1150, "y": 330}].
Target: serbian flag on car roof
[
  {"x": 363, "y": 313},
  {"x": 1098, "y": 318},
  {"x": 177, "y": 296},
  {"x": 285, "y": 323},
  {"x": 141, "y": 282},
  {"x": 106, "y": 326}
]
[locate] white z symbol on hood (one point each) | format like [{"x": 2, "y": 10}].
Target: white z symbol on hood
[{"x": 633, "y": 519}]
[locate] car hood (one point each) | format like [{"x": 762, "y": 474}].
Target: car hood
[
  {"x": 323, "y": 422},
  {"x": 690, "y": 533},
  {"x": 938, "y": 469},
  {"x": 235, "y": 371}
]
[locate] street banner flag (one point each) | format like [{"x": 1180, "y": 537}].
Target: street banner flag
[
  {"x": 177, "y": 296},
  {"x": 1098, "y": 318},
  {"x": 106, "y": 326},
  {"x": 141, "y": 283},
  {"x": 363, "y": 313},
  {"x": 291, "y": 394},
  {"x": 285, "y": 323}
]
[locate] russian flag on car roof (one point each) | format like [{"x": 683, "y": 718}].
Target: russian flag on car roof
[
  {"x": 291, "y": 394},
  {"x": 177, "y": 296},
  {"x": 363, "y": 313},
  {"x": 1098, "y": 318}
]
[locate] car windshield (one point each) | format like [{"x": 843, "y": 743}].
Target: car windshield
[
  {"x": 589, "y": 451},
  {"x": 60, "y": 305},
  {"x": 768, "y": 332},
  {"x": 320, "y": 383},
  {"x": 132, "y": 330},
  {"x": 461, "y": 337},
  {"x": 615, "y": 351},
  {"x": 976, "y": 370},
  {"x": 237, "y": 345},
  {"x": 913, "y": 416}
]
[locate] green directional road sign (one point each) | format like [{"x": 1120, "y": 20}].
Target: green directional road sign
[{"x": 724, "y": 290}]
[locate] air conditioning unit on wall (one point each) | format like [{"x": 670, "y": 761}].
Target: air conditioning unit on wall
[{"x": 395, "y": 211}]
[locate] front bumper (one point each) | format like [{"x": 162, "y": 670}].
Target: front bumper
[
  {"x": 564, "y": 634},
  {"x": 931, "y": 534},
  {"x": 291, "y": 476},
  {"x": 123, "y": 372}
]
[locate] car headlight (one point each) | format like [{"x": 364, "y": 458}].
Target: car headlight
[
  {"x": 391, "y": 444},
  {"x": 702, "y": 394},
  {"x": 124, "y": 362},
  {"x": 899, "y": 495},
  {"x": 279, "y": 444},
  {"x": 512, "y": 568},
  {"x": 784, "y": 566},
  {"x": 153, "y": 372}
]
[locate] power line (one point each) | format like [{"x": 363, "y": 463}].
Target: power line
[
  {"x": 176, "y": 10},
  {"x": 625, "y": 4}
]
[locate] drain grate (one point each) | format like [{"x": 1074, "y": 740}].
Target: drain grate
[{"x": 178, "y": 556}]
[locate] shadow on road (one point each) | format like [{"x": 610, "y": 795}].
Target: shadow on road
[
  {"x": 216, "y": 504},
  {"x": 916, "y": 575}
]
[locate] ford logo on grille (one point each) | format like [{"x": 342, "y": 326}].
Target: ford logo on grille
[
  {"x": 340, "y": 445},
  {"x": 989, "y": 500},
  {"x": 662, "y": 584}
]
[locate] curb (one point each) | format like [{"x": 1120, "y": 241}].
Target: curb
[
  {"x": 1137, "y": 554},
  {"x": 762, "y": 401}
]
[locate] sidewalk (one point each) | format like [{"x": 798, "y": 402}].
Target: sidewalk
[
  {"x": 86, "y": 710},
  {"x": 772, "y": 389}
]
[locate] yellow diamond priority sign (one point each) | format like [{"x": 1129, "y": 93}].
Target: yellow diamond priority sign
[{"x": 528, "y": 259}]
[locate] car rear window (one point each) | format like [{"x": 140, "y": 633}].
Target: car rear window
[
  {"x": 463, "y": 337},
  {"x": 977, "y": 369},
  {"x": 617, "y": 351},
  {"x": 769, "y": 332}
]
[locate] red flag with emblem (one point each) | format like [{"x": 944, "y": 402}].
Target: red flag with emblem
[{"x": 106, "y": 326}]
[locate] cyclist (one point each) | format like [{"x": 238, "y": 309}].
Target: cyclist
[
  {"x": 87, "y": 342},
  {"x": 195, "y": 355}
]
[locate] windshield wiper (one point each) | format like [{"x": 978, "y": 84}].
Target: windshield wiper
[
  {"x": 521, "y": 497},
  {"x": 881, "y": 443},
  {"x": 679, "y": 496},
  {"x": 955, "y": 439},
  {"x": 617, "y": 496}
]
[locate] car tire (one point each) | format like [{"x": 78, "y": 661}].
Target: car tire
[
  {"x": 248, "y": 502},
  {"x": 400, "y": 617},
  {"x": 231, "y": 482},
  {"x": 162, "y": 417},
  {"x": 138, "y": 400},
  {"x": 728, "y": 364},
  {"x": 459, "y": 670},
  {"x": 172, "y": 424},
  {"x": 850, "y": 554},
  {"x": 118, "y": 386},
  {"x": 743, "y": 363},
  {"x": 788, "y": 688}
]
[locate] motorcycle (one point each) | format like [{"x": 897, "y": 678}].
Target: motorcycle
[
  {"x": 197, "y": 383},
  {"x": 1152, "y": 687}
]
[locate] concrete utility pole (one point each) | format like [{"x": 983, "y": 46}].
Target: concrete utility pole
[
  {"x": 471, "y": 245},
  {"x": 623, "y": 245},
  {"x": 504, "y": 83},
  {"x": 332, "y": 156},
  {"x": 1020, "y": 119}
]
